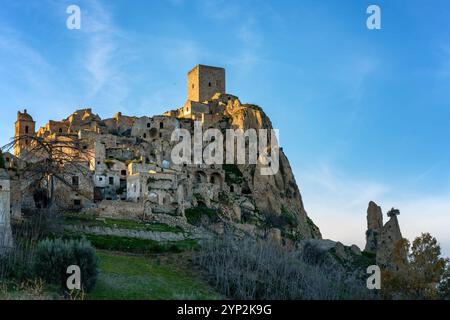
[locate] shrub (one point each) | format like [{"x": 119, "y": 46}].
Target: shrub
[
  {"x": 53, "y": 257},
  {"x": 195, "y": 215},
  {"x": 285, "y": 219},
  {"x": 232, "y": 174},
  {"x": 257, "y": 270},
  {"x": 17, "y": 265}
]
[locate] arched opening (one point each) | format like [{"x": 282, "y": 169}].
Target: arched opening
[
  {"x": 153, "y": 132},
  {"x": 201, "y": 204},
  {"x": 215, "y": 179},
  {"x": 166, "y": 200},
  {"x": 40, "y": 198},
  {"x": 200, "y": 177}
]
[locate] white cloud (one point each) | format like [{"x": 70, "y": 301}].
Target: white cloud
[{"x": 105, "y": 55}]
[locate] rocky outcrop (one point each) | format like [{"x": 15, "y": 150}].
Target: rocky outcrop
[
  {"x": 383, "y": 239},
  {"x": 389, "y": 239},
  {"x": 273, "y": 194},
  {"x": 334, "y": 255},
  {"x": 374, "y": 226}
]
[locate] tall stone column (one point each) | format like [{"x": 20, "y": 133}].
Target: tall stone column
[
  {"x": 374, "y": 226},
  {"x": 6, "y": 240}
]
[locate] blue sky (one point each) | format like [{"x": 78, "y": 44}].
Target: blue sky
[{"x": 363, "y": 114}]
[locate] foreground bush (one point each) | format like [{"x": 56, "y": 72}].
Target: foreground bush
[
  {"x": 53, "y": 257},
  {"x": 248, "y": 269},
  {"x": 422, "y": 273},
  {"x": 17, "y": 265}
]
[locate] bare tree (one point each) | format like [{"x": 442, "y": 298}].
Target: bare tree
[{"x": 48, "y": 160}]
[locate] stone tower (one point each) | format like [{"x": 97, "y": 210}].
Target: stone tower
[
  {"x": 204, "y": 82},
  {"x": 6, "y": 240},
  {"x": 25, "y": 126}
]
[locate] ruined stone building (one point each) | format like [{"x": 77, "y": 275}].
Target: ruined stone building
[{"x": 128, "y": 161}]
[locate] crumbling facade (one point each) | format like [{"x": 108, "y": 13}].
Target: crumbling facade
[
  {"x": 128, "y": 161},
  {"x": 130, "y": 158}
]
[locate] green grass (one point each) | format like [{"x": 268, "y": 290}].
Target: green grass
[
  {"x": 88, "y": 220},
  {"x": 135, "y": 245},
  {"x": 130, "y": 277}
]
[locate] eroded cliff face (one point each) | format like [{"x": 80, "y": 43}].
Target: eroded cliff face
[
  {"x": 277, "y": 197},
  {"x": 382, "y": 240}
]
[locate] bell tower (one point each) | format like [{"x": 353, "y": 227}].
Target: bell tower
[{"x": 24, "y": 127}]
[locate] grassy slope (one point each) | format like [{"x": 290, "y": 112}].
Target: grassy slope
[{"x": 137, "y": 277}]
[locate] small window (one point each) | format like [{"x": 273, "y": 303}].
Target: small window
[
  {"x": 100, "y": 179},
  {"x": 111, "y": 180},
  {"x": 231, "y": 188},
  {"x": 75, "y": 181},
  {"x": 161, "y": 125},
  {"x": 145, "y": 136},
  {"x": 98, "y": 162},
  {"x": 27, "y": 129},
  {"x": 1, "y": 187},
  {"x": 148, "y": 125},
  {"x": 77, "y": 202},
  {"x": 123, "y": 172},
  {"x": 60, "y": 130},
  {"x": 160, "y": 134},
  {"x": 209, "y": 84},
  {"x": 7, "y": 159}
]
